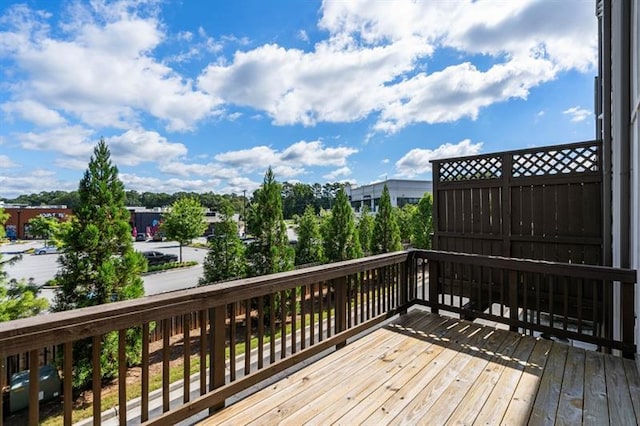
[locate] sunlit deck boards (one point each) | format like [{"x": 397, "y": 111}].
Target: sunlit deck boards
[{"x": 427, "y": 369}]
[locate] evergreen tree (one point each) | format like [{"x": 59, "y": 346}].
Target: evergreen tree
[
  {"x": 184, "y": 222},
  {"x": 309, "y": 247},
  {"x": 365, "y": 229},
  {"x": 19, "y": 299},
  {"x": 98, "y": 264},
  {"x": 386, "y": 233},
  {"x": 341, "y": 240},
  {"x": 225, "y": 259},
  {"x": 404, "y": 217},
  {"x": 422, "y": 223},
  {"x": 270, "y": 252}
]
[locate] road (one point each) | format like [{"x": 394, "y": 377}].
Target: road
[{"x": 43, "y": 267}]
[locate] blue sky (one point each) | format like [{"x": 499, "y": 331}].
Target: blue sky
[{"x": 204, "y": 96}]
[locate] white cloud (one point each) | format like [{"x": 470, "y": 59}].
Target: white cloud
[
  {"x": 375, "y": 62},
  {"x": 234, "y": 116},
  {"x": 73, "y": 141},
  {"x": 375, "y": 57},
  {"x": 102, "y": 71},
  {"x": 239, "y": 184},
  {"x": 6, "y": 163},
  {"x": 302, "y": 35},
  {"x": 460, "y": 91},
  {"x": 416, "y": 161},
  {"x": 33, "y": 182},
  {"x": 334, "y": 175},
  {"x": 288, "y": 162},
  {"x": 224, "y": 185},
  {"x": 212, "y": 170},
  {"x": 138, "y": 146},
  {"x": 72, "y": 163},
  {"x": 152, "y": 184},
  {"x": 577, "y": 114},
  {"x": 34, "y": 112},
  {"x": 385, "y": 161},
  {"x": 331, "y": 84}
]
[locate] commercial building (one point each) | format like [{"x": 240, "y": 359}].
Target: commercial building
[
  {"x": 401, "y": 191},
  {"x": 17, "y": 226}
]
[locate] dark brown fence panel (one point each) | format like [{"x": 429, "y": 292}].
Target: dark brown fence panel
[{"x": 542, "y": 203}]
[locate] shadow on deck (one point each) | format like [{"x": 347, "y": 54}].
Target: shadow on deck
[{"x": 431, "y": 369}]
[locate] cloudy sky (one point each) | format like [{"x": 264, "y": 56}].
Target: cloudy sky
[{"x": 204, "y": 96}]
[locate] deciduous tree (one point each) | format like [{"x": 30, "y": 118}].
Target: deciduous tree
[
  {"x": 184, "y": 221},
  {"x": 43, "y": 227}
]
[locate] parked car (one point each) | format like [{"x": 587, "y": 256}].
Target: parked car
[
  {"x": 158, "y": 258},
  {"x": 158, "y": 236},
  {"x": 46, "y": 250},
  {"x": 141, "y": 236}
]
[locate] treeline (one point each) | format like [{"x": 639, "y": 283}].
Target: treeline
[{"x": 295, "y": 198}]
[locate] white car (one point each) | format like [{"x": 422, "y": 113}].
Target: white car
[{"x": 46, "y": 250}]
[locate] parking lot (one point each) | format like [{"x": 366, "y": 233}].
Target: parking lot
[{"x": 44, "y": 267}]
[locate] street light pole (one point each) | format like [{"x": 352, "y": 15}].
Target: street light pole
[{"x": 244, "y": 217}]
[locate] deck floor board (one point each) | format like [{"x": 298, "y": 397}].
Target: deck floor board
[{"x": 428, "y": 369}]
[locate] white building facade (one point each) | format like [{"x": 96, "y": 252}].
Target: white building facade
[
  {"x": 618, "y": 109},
  {"x": 401, "y": 191}
]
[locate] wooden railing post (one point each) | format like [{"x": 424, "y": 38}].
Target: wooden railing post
[
  {"x": 217, "y": 355},
  {"x": 122, "y": 376},
  {"x": 433, "y": 285},
  {"x": 628, "y": 320},
  {"x": 340, "y": 287},
  {"x": 513, "y": 298},
  {"x": 96, "y": 379},
  {"x": 405, "y": 284},
  {"x": 3, "y": 378},
  {"x": 507, "y": 163}
]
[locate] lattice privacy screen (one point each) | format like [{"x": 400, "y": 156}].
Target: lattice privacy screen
[
  {"x": 573, "y": 160},
  {"x": 471, "y": 168},
  {"x": 582, "y": 158}
]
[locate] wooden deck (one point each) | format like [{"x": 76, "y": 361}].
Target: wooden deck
[{"x": 429, "y": 369}]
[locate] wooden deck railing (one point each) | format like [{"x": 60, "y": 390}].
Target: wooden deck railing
[
  {"x": 289, "y": 316},
  {"x": 279, "y": 320},
  {"x": 572, "y": 301}
]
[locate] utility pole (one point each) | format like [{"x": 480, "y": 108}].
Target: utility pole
[{"x": 244, "y": 207}]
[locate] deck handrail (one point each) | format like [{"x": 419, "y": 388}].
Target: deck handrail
[{"x": 54, "y": 328}]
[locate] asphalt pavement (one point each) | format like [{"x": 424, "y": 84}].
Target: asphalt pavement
[{"x": 42, "y": 268}]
